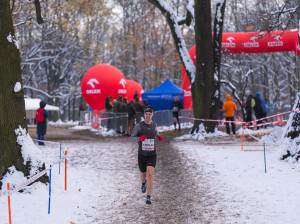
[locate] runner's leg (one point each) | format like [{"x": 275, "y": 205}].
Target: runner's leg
[
  {"x": 143, "y": 177},
  {"x": 150, "y": 170},
  {"x": 178, "y": 121},
  {"x": 174, "y": 121}
]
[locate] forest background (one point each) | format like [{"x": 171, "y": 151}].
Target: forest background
[{"x": 134, "y": 37}]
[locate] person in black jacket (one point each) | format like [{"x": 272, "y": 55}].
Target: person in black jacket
[
  {"x": 258, "y": 109},
  {"x": 176, "y": 107},
  {"x": 131, "y": 113},
  {"x": 250, "y": 104},
  {"x": 108, "y": 104},
  {"x": 117, "y": 109},
  {"x": 139, "y": 109},
  {"x": 124, "y": 121},
  {"x": 108, "y": 112}
]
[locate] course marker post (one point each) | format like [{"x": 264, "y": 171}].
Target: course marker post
[
  {"x": 242, "y": 139},
  {"x": 265, "y": 158},
  {"x": 49, "y": 190},
  {"x": 66, "y": 171},
  {"x": 9, "y": 210},
  {"x": 59, "y": 157}
]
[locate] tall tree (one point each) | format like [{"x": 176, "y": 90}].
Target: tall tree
[
  {"x": 12, "y": 105},
  {"x": 205, "y": 76}
]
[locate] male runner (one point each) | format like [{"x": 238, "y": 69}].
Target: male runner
[{"x": 145, "y": 134}]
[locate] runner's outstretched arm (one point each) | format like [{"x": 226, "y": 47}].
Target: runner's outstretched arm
[{"x": 135, "y": 132}]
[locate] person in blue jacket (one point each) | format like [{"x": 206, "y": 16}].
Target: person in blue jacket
[
  {"x": 263, "y": 105},
  {"x": 41, "y": 122}
]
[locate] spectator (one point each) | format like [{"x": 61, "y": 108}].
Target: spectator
[
  {"x": 136, "y": 95},
  {"x": 176, "y": 107},
  {"x": 144, "y": 104},
  {"x": 117, "y": 109},
  {"x": 108, "y": 111},
  {"x": 138, "y": 109},
  {"x": 108, "y": 104},
  {"x": 41, "y": 122},
  {"x": 263, "y": 106},
  {"x": 250, "y": 103},
  {"x": 131, "y": 113},
  {"x": 124, "y": 118},
  {"x": 258, "y": 108},
  {"x": 229, "y": 107}
]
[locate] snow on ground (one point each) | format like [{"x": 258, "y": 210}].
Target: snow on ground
[
  {"x": 103, "y": 180},
  {"x": 261, "y": 194},
  {"x": 91, "y": 171}
]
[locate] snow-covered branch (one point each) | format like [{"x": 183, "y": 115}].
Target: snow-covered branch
[
  {"x": 172, "y": 21},
  {"x": 233, "y": 90},
  {"x": 189, "y": 15},
  {"x": 283, "y": 17}
]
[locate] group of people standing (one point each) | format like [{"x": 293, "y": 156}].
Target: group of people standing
[
  {"x": 253, "y": 103},
  {"x": 256, "y": 103},
  {"x": 122, "y": 114}
]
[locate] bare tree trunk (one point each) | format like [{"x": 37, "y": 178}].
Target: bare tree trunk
[
  {"x": 217, "y": 50},
  {"x": 12, "y": 105},
  {"x": 205, "y": 87}
]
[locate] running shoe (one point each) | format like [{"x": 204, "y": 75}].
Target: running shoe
[
  {"x": 148, "y": 200},
  {"x": 143, "y": 187}
]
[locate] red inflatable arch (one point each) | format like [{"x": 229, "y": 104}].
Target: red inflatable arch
[
  {"x": 101, "y": 81},
  {"x": 133, "y": 86},
  {"x": 250, "y": 42}
]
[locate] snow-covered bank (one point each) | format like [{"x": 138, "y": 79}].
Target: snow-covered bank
[
  {"x": 103, "y": 183},
  {"x": 259, "y": 197}
]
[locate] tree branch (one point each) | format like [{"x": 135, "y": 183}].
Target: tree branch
[
  {"x": 38, "y": 12},
  {"x": 172, "y": 21},
  {"x": 190, "y": 14}
]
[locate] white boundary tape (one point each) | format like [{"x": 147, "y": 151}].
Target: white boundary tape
[
  {"x": 44, "y": 141},
  {"x": 241, "y": 122},
  {"x": 263, "y": 124},
  {"x": 29, "y": 181},
  {"x": 107, "y": 118}
]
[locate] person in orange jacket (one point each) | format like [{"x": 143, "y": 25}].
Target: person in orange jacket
[{"x": 229, "y": 107}]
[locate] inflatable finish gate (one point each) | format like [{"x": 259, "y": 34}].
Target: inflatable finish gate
[{"x": 250, "y": 42}]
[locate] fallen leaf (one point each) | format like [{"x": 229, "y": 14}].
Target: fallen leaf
[{"x": 249, "y": 28}]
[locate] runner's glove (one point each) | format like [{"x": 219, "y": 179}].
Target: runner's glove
[
  {"x": 160, "y": 138},
  {"x": 142, "y": 138}
]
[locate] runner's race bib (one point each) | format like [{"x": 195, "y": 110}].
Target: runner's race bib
[{"x": 148, "y": 145}]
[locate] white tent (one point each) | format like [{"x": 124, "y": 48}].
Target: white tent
[{"x": 32, "y": 104}]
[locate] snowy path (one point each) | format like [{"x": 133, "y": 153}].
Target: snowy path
[
  {"x": 111, "y": 184},
  {"x": 205, "y": 182}
]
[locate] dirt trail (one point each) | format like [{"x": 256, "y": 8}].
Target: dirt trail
[{"x": 181, "y": 194}]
